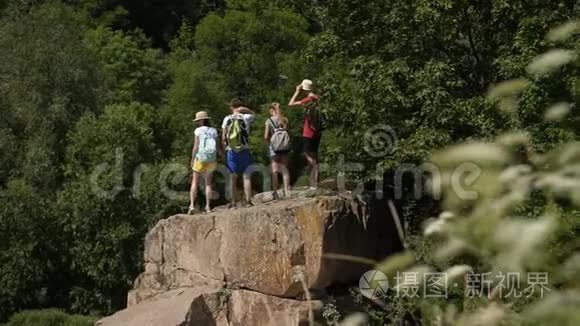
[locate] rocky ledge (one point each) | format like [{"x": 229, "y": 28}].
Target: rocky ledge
[{"x": 253, "y": 266}]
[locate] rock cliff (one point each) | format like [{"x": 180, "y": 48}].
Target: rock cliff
[{"x": 249, "y": 266}]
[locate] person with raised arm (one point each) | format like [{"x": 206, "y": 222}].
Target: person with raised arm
[{"x": 305, "y": 97}]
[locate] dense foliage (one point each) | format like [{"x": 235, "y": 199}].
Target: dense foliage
[
  {"x": 97, "y": 98},
  {"x": 49, "y": 317},
  {"x": 510, "y": 253}
]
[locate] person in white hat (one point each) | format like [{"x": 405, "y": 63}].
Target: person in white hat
[
  {"x": 312, "y": 132},
  {"x": 203, "y": 159}
]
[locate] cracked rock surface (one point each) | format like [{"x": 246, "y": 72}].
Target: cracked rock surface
[{"x": 247, "y": 266}]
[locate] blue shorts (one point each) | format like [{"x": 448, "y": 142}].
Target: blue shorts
[{"x": 238, "y": 162}]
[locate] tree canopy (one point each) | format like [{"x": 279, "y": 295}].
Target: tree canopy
[{"x": 97, "y": 100}]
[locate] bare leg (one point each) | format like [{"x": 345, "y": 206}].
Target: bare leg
[
  {"x": 248, "y": 188},
  {"x": 313, "y": 165},
  {"x": 233, "y": 186},
  {"x": 208, "y": 190},
  {"x": 285, "y": 173},
  {"x": 275, "y": 181},
  {"x": 193, "y": 190}
]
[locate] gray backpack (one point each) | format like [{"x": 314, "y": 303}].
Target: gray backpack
[{"x": 280, "y": 140}]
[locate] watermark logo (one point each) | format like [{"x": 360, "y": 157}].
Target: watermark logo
[
  {"x": 380, "y": 140},
  {"x": 374, "y": 284},
  {"x": 109, "y": 179}
]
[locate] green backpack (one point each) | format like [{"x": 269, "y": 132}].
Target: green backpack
[{"x": 237, "y": 134}]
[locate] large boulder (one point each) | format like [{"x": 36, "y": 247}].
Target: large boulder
[
  {"x": 247, "y": 266},
  {"x": 240, "y": 308},
  {"x": 167, "y": 309},
  {"x": 191, "y": 307},
  {"x": 277, "y": 248}
]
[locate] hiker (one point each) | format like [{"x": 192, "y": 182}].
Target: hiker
[
  {"x": 235, "y": 138},
  {"x": 204, "y": 159},
  {"x": 278, "y": 139},
  {"x": 312, "y": 132}
]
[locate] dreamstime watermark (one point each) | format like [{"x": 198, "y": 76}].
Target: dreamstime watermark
[
  {"x": 380, "y": 140},
  {"x": 375, "y": 285},
  {"x": 108, "y": 179}
]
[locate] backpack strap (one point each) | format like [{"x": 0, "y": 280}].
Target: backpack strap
[
  {"x": 239, "y": 118},
  {"x": 228, "y": 127},
  {"x": 203, "y": 138},
  {"x": 273, "y": 124}
]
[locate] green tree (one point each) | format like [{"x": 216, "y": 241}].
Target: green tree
[
  {"x": 102, "y": 220},
  {"x": 57, "y": 75},
  {"x": 49, "y": 80},
  {"x": 421, "y": 67},
  {"x": 518, "y": 217},
  {"x": 29, "y": 250},
  {"x": 133, "y": 70},
  {"x": 249, "y": 60},
  {"x": 159, "y": 20},
  {"x": 194, "y": 89}
]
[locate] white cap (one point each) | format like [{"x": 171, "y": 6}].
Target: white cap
[{"x": 307, "y": 84}]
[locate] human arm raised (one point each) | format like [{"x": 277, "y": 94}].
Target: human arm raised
[
  {"x": 245, "y": 110},
  {"x": 293, "y": 100}
]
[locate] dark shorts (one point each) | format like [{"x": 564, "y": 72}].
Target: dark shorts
[
  {"x": 276, "y": 155},
  {"x": 238, "y": 162},
  {"x": 311, "y": 145}
]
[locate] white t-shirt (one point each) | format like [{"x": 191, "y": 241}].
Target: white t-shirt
[
  {"x": 209, "y": 130},
  {"x": 248, "y": 119}
]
